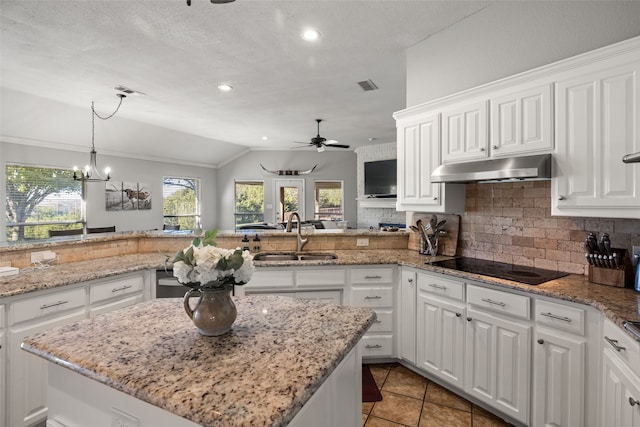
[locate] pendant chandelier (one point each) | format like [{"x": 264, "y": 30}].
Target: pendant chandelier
[{"x": 90, "y": 172}]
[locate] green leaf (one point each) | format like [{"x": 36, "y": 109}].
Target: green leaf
[
  {"x": 236, "y": 260},
  {"x": 196, "y": 242},
  {"x": 222, "y": 265}
]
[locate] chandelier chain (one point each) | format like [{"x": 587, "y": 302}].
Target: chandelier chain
[{"x": 95, "y": 114}]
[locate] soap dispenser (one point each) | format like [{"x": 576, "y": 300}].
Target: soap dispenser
[
  {"x": 245, "y": 243},
  {"x": 256, "y": 243}
]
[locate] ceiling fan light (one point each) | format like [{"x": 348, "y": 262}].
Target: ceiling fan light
[
  {"x": 310, "y": 35},
  {"x": 320, "y": 148}
]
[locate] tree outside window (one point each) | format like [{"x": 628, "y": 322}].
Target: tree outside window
[
  {"x": 249, "y": 203},
  {"x": 181, "y": 203},
  {"x": 329, "y": 201},
  {"x": 40, "y": 199}
]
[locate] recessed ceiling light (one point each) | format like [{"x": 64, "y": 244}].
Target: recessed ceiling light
[
  {"x": 264, "y": 138},
  {"x": 225, "y": 87},
  {"x": 311, "y": 35}
]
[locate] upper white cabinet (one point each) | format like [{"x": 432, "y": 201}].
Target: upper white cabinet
[
  {"x": 597, "y": 123},
  {"x": 418, "y": 155},
  {"x": 521, "y": 121},
  {"x": 464, "y": 131}
]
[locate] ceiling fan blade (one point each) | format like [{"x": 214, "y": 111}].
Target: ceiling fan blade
[
  {"x": 299, "y": 147},
  {"x": 337, "y": 145},
  {"x": 300, "y": 142},
  {"x": 331, "y": 142}
]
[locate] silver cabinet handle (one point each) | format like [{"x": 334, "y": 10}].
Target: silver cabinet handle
[
  {"x": 481, "y": 148},
  {"x": 435, "y": 197},
  {"x": 540, "y": 341},
  {"x": 458, "y": 314},
  {"x": 55, "y": 304},
  {"x": 561, "y": 198},
  {"x": 373, "y": 277},
  {"x": 490, "y": 301},
  {"x": 373, "y": 346},
  {"x": 433, "y": 285},
  {"x": 377, "y": 321},
  {"x": 410, "y": 280},
  {"x": 633, "y": 402},
  {"x": 614, "y": 343},
  {"x": 373, "y": 297},
  {"x": 495, "y": 147},
  {"x": 120, "y": 289},
  {"x": 555, "y": 316}
]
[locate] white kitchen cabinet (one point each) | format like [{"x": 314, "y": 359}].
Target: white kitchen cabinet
[
  {"x": 27, "y": 385},
  {"x": 418, "y": 153},
  {"x": 559, "y": 365},
  {"x": 374, "y": 287},
  {"x": 620, "y": 393},
  {"x": 111, "y": 294},
  {"x": 464, "y": 131},
  {"x": 407, "y": 315},
  {"x": 3, "y": 362},
  {"x": 440, "y": 332},
  {"x": 597, "y": 122},
  {"x": 498, "y": 362},
  {"x": 521, "y": 121},
  {"x": 558, "y": 379}
]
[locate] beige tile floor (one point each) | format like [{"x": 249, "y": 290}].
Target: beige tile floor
[{"x": 411, "y": 400}]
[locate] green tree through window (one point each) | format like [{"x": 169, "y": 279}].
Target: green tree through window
[
  {"x": 249, "y": 202},
  {"x": 40, "y": 199},
  {"x": 181, "y": 202}
]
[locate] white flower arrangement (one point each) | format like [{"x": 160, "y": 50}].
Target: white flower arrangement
[{"x": 203, "y": 265}]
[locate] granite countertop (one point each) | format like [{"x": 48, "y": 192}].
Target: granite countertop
[
  {"x": 277, "y": 355},
  {"x": 618, "y": 304}
]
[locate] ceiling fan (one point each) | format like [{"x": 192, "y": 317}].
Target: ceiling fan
[{"x": 320, "y": 143}]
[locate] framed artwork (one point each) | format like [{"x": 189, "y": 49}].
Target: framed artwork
[{"x": 127, "y": 196}]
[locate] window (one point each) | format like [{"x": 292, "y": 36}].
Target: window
[
  {"x": 249, "y": 203},
  {"x": 181, "y": 203},
  {"x": 40, "y": 199},
  {"x": 329, "y": 201}
]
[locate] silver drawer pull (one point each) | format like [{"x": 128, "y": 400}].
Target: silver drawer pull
[
  {"x": 121, "y": 289},
  {"x": 633, "y": 402},
  {"x": 614, "y": 343},
  {"x": 433, "y": 285},
  {"x": 373, "y": 297},
  {"x": 555, "y": 316},
  {"x": 373, "y": 277},
  {"x": 373, "y": 346},
  {"x": 377, "y": 321},
  {"x": 55, "y": 304},
  {"x": 490, "y": 301}
]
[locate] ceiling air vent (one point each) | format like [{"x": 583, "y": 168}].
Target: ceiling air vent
[{"x": 367, "y": 85}]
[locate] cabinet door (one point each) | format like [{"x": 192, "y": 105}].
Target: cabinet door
[
  {"x": 418, "y": 155},
  {"x": 521, "y": 122},
  {"x": 558, "y": 381},
  {"x": 407, "y": 327},
  {"x": 620, "y": 393},
  {"x": 597, "y": 122},
  {"x": 3, "y": 381},
  {"x": 441, "y": 338},
  {"x": 27, "y": 399},
  {"x": 464, "y": 132},
  {"x": 498, "y": 363}
]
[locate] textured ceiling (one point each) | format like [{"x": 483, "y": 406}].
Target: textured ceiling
[{"x": 75, "y": 52}]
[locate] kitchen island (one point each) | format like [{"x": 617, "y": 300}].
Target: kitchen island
[{"x": 284, "y": 359}]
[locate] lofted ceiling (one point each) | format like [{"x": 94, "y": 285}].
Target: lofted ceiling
[{"x": 76, "y": 52}]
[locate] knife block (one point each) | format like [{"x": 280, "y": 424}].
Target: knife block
[{"x": 619, "y": 277}]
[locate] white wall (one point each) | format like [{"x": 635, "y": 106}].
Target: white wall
[
  {"x": 507, "y": 38},
  {"x": 332, "y": 165},
  {"x": 123, "y": 169}
]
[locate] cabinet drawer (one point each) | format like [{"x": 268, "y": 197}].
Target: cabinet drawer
[
  {"x": 383, "y": 322},
  {"x": 115, "y": 288},
  {"x": 362, "y": 276},
  {"x": 372, "y": 297},
  {"x": 560, "y": 316},
  {"x": 321, "y": 278},
  {"x": 45, "y": 305},
  {"x": 376, "y": 345},
  {"x": 440, "y": 285},
  {"x": 272, "y": 279},
  {"x": 500, "y": 302},
  {"x": 621, "y": 343}
]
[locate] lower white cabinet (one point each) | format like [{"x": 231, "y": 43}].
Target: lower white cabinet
[
  {"x": 25, "y": 388},
  {"x": 498, "y": 362},
  {"x": 620, "y": 393},
  {"x": 558, "y": 379},
  {"x": 440, "y": 330},
  {"x": 407, "y": 315}
]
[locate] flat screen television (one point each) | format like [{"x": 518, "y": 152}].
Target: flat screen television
[{"x": 380, "y": 178}]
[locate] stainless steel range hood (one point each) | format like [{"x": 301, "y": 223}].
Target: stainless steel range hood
[{"x": 509, "y": 169}]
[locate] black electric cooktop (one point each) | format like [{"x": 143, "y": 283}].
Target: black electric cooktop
[{"x": 501, "y": 270}]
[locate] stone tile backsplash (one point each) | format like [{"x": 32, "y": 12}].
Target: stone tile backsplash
[{"x": 512, "y": 222}]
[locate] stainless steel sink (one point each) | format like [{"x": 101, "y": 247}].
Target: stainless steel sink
[{"x": 292, "y": 256}]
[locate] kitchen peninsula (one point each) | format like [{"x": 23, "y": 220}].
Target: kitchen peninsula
[{"x": 280, "y": 353}]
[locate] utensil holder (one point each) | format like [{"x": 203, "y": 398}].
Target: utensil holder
[{"x": 619, "y": 277}]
